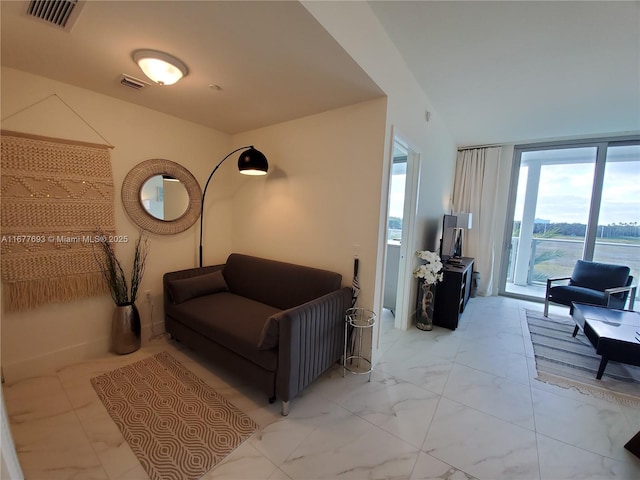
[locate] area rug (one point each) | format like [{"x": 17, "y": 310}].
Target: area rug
[
  {"x": 178, "y": 426},
  {"x": 568, "y": 361}
]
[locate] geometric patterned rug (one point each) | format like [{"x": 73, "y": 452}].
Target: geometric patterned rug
[
  {"x": 570, "y": 361},
  {"x": 177, "y": 425}
]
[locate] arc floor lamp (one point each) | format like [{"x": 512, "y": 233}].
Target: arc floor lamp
[{"x": 250, "y": 162}]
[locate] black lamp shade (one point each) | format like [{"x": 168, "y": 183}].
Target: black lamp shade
[{"x": 253, "y": 162}]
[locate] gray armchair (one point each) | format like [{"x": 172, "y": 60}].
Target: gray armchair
[{"x": 592, "y": 283}]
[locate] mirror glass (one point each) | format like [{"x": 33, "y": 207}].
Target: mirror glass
[
  {"x": 164, "y": 197},
  {"x": 161, "y": 196}
]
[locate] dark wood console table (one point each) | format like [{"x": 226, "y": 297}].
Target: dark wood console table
[{"x": 452, "y": 294}]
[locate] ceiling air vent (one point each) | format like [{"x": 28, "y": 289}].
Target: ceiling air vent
[
  {"x": 61, "y": 13},
  {"x": 133, "y": 82}
]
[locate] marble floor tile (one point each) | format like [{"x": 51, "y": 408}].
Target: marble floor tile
[
  {"x": 498, "y": 340},
  {"x": 483, "y": 357},
  {"x": 279, "y": 475},
  {"x": 396, "y": 406},
  {"x": 430, "y": 468},
  {"x": 632, "y": 414},
  {"x": 56, "y": 448},
  {"x": 416, "y": 366},
  {"x": 431, "y": 373},
  {"x": 480, "y": 444},
  {"x": 136, "y": 473},
  {"x": 498, "y": 396},
  {"x": 245, "y": 463},
  {"x": 601, "y": 429},
  {"x": 350, "y": 448},
  {"x": 560, "y": 460},
  {"x": 455, "y": 405},
  {"x": 336, "y": 385},
  {"x": 26, "y": 400},
  {"x": 439, "y": 341},
  {"x": 279, "y": 439}
]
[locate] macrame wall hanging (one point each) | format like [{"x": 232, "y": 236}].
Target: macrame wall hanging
[{"x": 55, "y": 195}]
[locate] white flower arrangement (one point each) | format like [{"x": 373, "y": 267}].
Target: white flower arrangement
[{"x": 431, "y": 272}]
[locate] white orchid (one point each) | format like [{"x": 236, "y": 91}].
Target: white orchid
[{"x": 431, "y": 272}]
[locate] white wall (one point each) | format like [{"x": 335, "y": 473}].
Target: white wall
[
  {"x": 50, "y": 336},
  {"x": 359, "y": 32}
]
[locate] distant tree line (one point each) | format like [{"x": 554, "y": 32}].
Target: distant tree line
[
  {"x": 614, "y": 230},
  {"x": 395, "y": 223}
]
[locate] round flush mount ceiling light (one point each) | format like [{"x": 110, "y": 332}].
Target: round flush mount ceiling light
[{"x": 162, "y": 68}]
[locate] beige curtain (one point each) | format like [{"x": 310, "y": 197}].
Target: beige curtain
[{"x": 475, "y": 190}]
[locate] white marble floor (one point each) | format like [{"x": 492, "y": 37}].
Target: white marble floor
[{"x": 444, "y": 404}]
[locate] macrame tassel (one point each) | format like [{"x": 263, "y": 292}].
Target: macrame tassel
[{"x": 25, "y": 295}]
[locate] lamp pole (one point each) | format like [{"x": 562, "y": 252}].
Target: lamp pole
[{"x": 204, "y": 192}]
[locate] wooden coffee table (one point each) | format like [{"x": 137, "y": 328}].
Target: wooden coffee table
[{"x": 615, "y": 334}]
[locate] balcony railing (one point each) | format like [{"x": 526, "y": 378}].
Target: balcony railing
[{"x": 555, "y": 257}]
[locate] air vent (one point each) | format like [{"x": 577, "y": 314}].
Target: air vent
[
  {"x": 61, "y": 13},
  {"x": 133, "y": 82}
]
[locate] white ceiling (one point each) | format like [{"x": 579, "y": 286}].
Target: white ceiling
[
  {"x": 497, "y": 72},
  {"x": 522, "y": 70},
  {"x": 273, "y": 61}
]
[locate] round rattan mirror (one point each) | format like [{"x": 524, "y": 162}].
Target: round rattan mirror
[{"x": 139, "y": 205}]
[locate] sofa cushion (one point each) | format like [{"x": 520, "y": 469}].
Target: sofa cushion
[
  {"x": 281, "y": 285},
  {"x": 237, "y": 324},
  {"x": 188, "y": 288},
  {"x": 565, "y": 294}
]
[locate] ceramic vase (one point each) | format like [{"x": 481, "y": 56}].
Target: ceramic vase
[
  {"x": 125, "y": 329},
  {"x": 427, "y": 304}
]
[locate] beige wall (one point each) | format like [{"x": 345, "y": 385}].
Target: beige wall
[
  {"x": 322, "y": 194},
  {"x": 50, "y": 336},
  {"x": 321, "y": 197}
]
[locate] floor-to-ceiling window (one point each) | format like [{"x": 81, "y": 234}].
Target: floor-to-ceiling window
[{"x": 569, "y": 202}]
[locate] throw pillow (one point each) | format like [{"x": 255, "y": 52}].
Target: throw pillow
[{"x": 188, "y": 288}]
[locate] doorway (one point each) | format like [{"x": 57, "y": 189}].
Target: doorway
[
  {"x": 401, "y": 211},
  {"x": 395, "y": 215}
]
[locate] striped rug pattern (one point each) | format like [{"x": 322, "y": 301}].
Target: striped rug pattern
[
  {"x": 572, "y": 361},
  {"x": 178, "y": 426}
]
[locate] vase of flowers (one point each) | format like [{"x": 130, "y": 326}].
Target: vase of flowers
[
  {"x": 125, "y": 324},
  {"x": 430, "y": 273}
]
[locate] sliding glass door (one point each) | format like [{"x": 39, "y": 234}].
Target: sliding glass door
[{"x": 570, "y": 202}]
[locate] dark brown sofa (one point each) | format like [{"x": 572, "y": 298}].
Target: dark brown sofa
[{"x": 278, "y": 325}]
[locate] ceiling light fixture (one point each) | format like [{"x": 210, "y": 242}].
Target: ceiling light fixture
[{"x": 160, "y": 67}]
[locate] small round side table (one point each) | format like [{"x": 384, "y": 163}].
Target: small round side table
[{"x": 356, "y": 360}]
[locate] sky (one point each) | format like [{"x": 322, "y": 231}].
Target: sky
[
  {"x": 398, "y": 180},
  {"x": 565, "y": 188}
]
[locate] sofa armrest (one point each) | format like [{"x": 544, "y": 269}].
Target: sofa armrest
[{"x": 311, "y": 339}]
